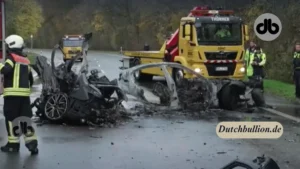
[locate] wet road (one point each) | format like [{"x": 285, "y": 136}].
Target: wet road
[{"x": 152, "y": 142}]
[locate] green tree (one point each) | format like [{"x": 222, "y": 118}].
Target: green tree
[{"x": 24, "y": 17}]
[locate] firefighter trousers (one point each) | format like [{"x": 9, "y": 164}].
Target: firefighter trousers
[{"x": 17, "y": 111}]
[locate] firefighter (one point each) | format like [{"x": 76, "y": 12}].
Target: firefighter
[
  {"x": 296, "y": 63},
  {"x": 18, "y": 80},
  {"x": 256, "y": 66},
  {"x": 223, "y": 32}
]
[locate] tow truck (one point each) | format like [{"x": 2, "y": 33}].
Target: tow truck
[
  {"x": 71, "y": 46},
  {"x": 195, "y": 46}
]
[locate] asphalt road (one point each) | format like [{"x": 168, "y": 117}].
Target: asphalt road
[{"x": 151, "y": 142}]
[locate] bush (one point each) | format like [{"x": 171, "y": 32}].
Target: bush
[{"x": 280, "y": 51}]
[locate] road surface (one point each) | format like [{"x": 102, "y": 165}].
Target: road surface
[{"x": 152, "y": 142}]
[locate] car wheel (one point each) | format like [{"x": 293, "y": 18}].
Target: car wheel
[
  {"x": 258, "y": 97},
  {"x": 56, "y": 106},
  {"x": 139, "y": 76},
  {"x": 178, "y": 76},
  {"x": 229, "y": 98}
]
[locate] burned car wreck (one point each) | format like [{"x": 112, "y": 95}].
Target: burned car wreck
[
  {"x": 196, "y": 93},
  {"x": 67, "y": 97}
]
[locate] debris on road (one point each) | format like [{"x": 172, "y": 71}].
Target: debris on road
[
  {"x": 92, "y": 136},
  {"x": 138, "y": 126}
]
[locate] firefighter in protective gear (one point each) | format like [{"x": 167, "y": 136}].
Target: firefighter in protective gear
[
  {"x": 256, "y": 65},
  {"x": 223, "y": 32},
  {"x": 18, "y": 80},
  {"x": 296, "y": 64}
]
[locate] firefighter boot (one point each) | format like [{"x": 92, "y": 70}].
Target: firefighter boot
[
  {"x": 11, "y": 147},
  {"x": 13, "y": 144},
  {"x": 32, "y": 147}
]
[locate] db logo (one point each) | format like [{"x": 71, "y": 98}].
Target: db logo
[
  {"x": 22, "y": 125},
  {"x": 267, "y": 27}
]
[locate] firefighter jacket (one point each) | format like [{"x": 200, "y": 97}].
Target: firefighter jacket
[
  {"x": 253, "y": 70},
  {"x": 296, "y": 61},
  {"x": 18, "y": 78},
  {"x": 248, "y": 52}
]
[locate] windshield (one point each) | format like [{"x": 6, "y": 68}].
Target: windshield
[
  {"x": 72, "y": 43},
  {"x": 219, "y": 34}
]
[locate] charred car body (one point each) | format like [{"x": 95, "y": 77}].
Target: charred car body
[
  {"x": 71, "y": 97},
  {"x": 196, "y": 93}
]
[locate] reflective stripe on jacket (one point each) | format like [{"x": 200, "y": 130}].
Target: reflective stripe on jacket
[
  {"x": 262, "y": 62},
  {"x": 16, "y": 72},
  {"x": 247, "y": 56},
  {"x": 296, "y": 61}
]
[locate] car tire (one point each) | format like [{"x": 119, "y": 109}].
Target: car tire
[
  {"x": 258, "y": 97},
  {"x": 178, "y": 76},
  {"x": 139, "y": 76},
  {"x": 229, "y": 98}
]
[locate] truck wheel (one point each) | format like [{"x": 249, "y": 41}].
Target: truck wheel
[
  {"x": 178, "y": 76},
  {"x": 139, "y": 76},
  {"x": 229, "y": 98},
  {"x": 258, "y": 97}
]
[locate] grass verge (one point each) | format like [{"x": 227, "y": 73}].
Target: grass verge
[{"x": 281, "y": 89}]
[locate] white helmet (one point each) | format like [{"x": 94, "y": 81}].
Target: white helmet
[{"x": 15, "y": 42}]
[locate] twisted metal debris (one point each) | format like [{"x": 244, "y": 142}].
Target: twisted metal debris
[{"x": 196, "y": 94}]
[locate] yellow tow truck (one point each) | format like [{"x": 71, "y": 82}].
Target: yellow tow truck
[
  {"x": 197, "y": 44},
  {"x": 71, "y": 46}
]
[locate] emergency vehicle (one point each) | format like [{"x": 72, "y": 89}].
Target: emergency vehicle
[
  {"x": 71, "y": 46},
  {"x": 195, "y": 45}
]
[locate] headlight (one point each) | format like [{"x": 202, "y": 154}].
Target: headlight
[
  {"x": 242, "y": 69},
  {"x": 198, "y": 70}
]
